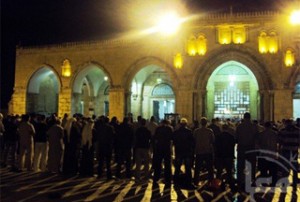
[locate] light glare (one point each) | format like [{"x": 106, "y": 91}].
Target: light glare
[
  {"x": 169, "y": 23},
  {"x": 295, "y": 17}
]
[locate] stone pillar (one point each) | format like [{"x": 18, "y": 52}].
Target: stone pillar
[
  {"x": 261, "y": 111},
  {"x": 184, "y": 104},
  {"x": 117, "y": 102},
  {"x": 64, "y": 101},
  {"x": 283, "y": 104},
  {"x": 17, "y": 104},
  {"x": 195, "y": 105}
]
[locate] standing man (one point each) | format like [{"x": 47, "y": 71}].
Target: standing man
[
  {"x": 142, "y": 149},
  {"x": 41, "y": 144},
  {"x": 204, "y": 148},
  {"x": 27, "y": 133},
  {"x": 246, "y": 134},
  {"x": 289, "y": 142},
  {"x": 124, "y": 144},
  {"x": 162, "y": 140},
  {"x": 104, "y": 134},
  {"x": 184, "y": 151}
]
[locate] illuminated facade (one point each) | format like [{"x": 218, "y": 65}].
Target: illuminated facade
[{"x": 221, "y": 66}]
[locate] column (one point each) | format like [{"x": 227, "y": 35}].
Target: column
[
  {"x": 17, "y": 104},
  {"x": 64, "y": 101},
  {"x": 184, "y": 104},
  {"x": 283, "y": 104},
  {"x": 117, "y": 102}
]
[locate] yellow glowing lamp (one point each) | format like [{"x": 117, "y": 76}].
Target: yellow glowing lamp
[
  {"x": 262, "y": 43},
  {"x": 191, "y": 46},
  {"x": 178, "y": 61},
  {"x": 289, "y": 59},
  {"x": 224, "y": 35},
  {"x": 66, "y": 68},
  {"x": 273, "y": 43},
  {"x": 239, "y": 35},
  {"x": 201, "y": 45}
]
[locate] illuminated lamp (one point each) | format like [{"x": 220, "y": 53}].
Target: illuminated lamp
[
  {"x": 262, "y": 43},
  {"x": 224, "y": 35},
  {"x": 201, "y": 45},
  {"x": 191, "y": 46},
  {"x": 239, "y": 35},
  {"x": 273, "y": 43},
  {"x": 289, "y": 58},
  {"x": 66, "y": 68},
  {"x": 178, "y": 61}
]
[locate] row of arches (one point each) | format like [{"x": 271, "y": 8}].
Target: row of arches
[{"x": 231, "y": 89}]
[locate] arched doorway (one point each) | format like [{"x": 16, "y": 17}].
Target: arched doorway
[
  {"x": 296, "y": 101},
  {"x": 90, "y": 92},
  {"x": 42, "y": 92},
  {"x": 232, "y": 90},
  {"x": 151, "y": 93}
]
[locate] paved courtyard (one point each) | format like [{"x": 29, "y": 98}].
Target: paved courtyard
[{"x": 31, "y": 186}]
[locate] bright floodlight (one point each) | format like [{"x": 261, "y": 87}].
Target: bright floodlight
[
  {"x": 295, "y": 17},
  {"x": 169, "y": 23}
]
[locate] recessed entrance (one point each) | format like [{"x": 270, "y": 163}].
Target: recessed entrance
[
  {"x": 232, "y": 90},
  {"x": 152, "y": 93},
  {"x": 42, "y": 92},
  {"x": 90, "y": 92}
]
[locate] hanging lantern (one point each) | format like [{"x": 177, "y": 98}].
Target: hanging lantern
[
  {"x": 224, "y": 35},
  {"x": 262, "y": 43},
  {"x": 178, "y": 61},
  {"x": 201, "y": 45},
  {"x": 239, "y": 35},
  {"x": 273, "y": 43},
  {"x": 66, "y": 68},
  {"x": 289, "y": 58},
  {"x": 191, "y": 46}
]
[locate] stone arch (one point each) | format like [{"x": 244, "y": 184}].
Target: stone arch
[
  {"x": 86, "y": 84},
  {"x": 140, "y": 79},
  {"x": 149, "y": 61},
  {"x": 42, "y": 91},
  {"x": 242, "y": 55}
]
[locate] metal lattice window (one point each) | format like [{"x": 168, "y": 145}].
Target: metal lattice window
[{"x": 231, "y": 100}]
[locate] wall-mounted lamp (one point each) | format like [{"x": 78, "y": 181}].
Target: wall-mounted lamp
[
  {"x": 178, "y": 61},
  {"x": 66, "y": 70}
]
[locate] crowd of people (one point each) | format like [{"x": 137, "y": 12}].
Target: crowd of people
[{"x": 144, "y": 148}]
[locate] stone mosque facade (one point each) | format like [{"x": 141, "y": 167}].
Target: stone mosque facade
[{"x": 221, "y": 65}]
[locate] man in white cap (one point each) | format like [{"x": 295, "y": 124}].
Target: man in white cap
[{"x": 184, "y": 147}]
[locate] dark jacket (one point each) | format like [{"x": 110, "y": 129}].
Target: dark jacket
[
  {"x": 143, "y": 138},
  {"x": 184, "y": 142}
]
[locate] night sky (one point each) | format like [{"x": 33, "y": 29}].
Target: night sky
[{"x": 40, "y": 22}]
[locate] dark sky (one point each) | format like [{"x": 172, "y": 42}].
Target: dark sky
[{"x": 38, "y": 22}]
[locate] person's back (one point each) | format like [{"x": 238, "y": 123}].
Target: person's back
[
  {"x": 41, "y": 129},
  {"x": 26, "y": 131},
  {"x": 162, "y": 138},
  {"x": 183, "y": 141},
  {"x": 224, "y": 145},
  {"x": 246, "y": 134},
  {"x": 268, "y": 138},
  {"x": 204, "y": 139},
  {"x": 126, "y": 135},
  {"x": 143, "y": 137},
  {"x": 289, "y": 137},
  {"x": 152, "y": 125}
]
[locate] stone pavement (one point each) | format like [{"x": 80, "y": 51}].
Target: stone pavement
[{"x": 31, "y": 186}]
